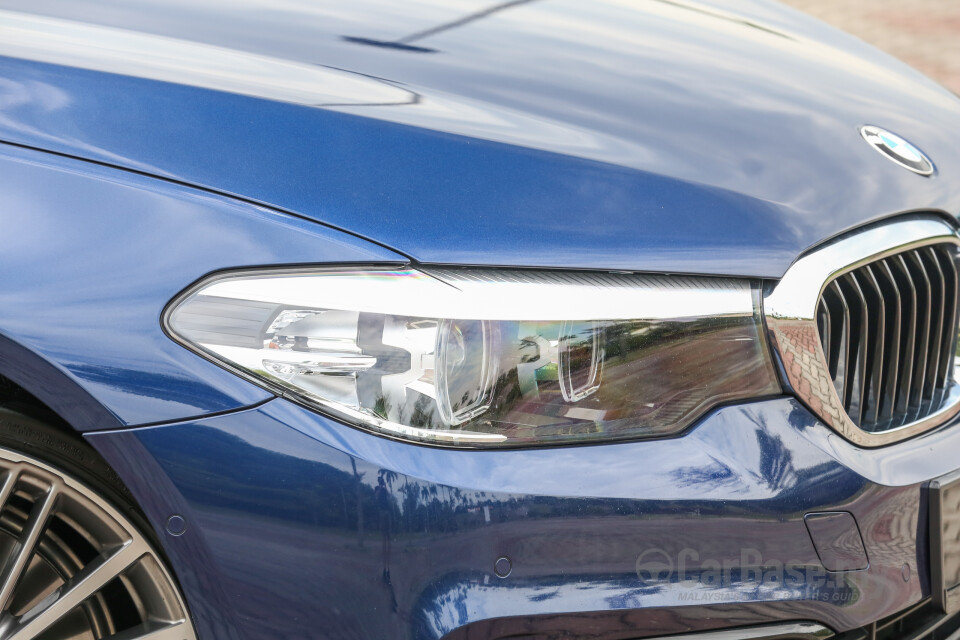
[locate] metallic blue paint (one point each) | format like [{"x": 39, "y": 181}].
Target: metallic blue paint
[
  {"x": 287, "y": 529},
  {"x": 89, "y": 257},
  {"x": 660, "y": 136},
  {"x": 664, "y": 136}
]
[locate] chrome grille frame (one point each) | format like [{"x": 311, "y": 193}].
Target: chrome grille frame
[
  {"x": 794, "y": 317},
  {"x": 888, "y": 331}
]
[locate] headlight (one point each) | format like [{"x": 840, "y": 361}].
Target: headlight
[{"x": 483, "y": 357}]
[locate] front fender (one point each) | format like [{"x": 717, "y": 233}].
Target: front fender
[{"x": 89, "y": 257}]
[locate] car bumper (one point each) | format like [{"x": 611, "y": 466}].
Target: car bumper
[{"x": 289, "y": 531}]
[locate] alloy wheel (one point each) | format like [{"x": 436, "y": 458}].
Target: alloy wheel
[{"x": 73, "y": 567}]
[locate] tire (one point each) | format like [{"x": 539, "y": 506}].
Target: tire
[{"x": 29, "y": 430}]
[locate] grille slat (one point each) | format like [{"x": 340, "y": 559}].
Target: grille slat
[
  {"x": 938, "y": 302},
  {"x": 922, "y": 338},
  {"x": 838, "y": 352},
  {"x": 870, "y": 413},
  {"x": 888, "y": 331},
  {"x": 825, "y": 324},
  {"x": 859, "y": 341},
  {"x": 908, "y": 327},
  {"x": 950, "y": 335},
  {"x": 892, "y": 359}
]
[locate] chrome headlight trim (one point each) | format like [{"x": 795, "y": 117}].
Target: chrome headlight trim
[{"x": 790, "y": 307}]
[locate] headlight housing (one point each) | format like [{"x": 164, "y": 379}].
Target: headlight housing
[{"x": 485, "y": 357}]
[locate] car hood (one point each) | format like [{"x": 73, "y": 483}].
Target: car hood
[{"x": 653, "y": 135}]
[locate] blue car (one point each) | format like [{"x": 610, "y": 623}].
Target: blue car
[{"x": 532, "y": 320}]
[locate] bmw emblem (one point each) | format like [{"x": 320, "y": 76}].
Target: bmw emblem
[{"x": 897, "y": 149}]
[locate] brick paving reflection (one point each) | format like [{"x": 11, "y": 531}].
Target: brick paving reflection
[{"x": 923, "y": 33}]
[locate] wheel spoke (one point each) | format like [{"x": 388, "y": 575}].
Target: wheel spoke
[
  {"x": 80, "y": 587},
  {"x": 9, "y": 482},
  {"x": 22, "y": 551}
]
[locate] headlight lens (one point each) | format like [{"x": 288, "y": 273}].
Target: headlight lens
[{"x": 482, "y": 357}]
